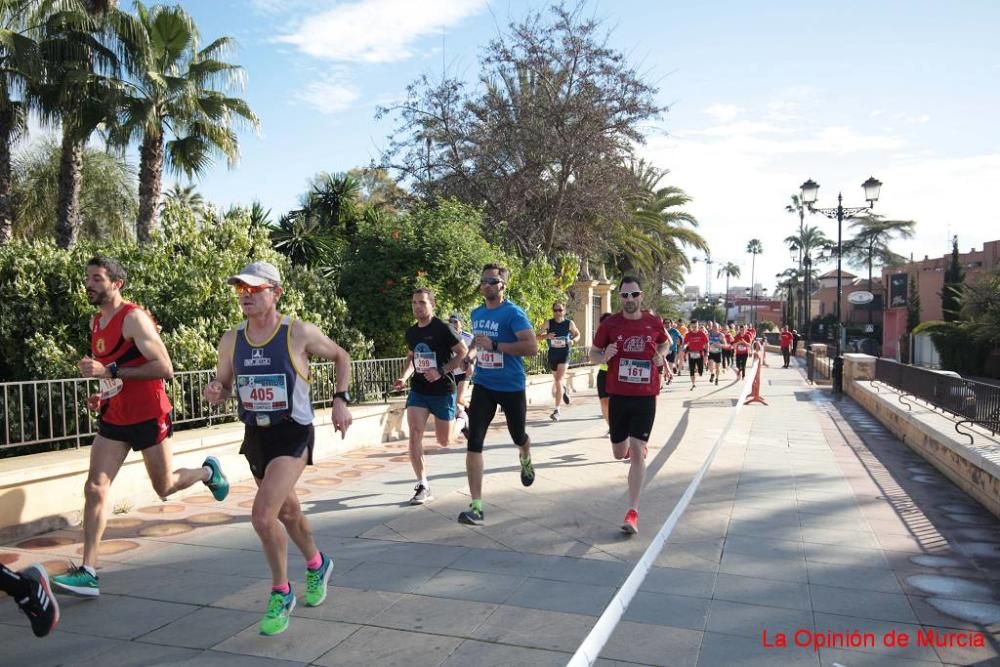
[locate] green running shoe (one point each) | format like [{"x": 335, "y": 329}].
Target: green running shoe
[
  {"x": 279, "y": 608},
  {"x": 217, "y": 483},
  {"x": 527, "y": 472},
  {"x": 78, "y": 582},
  {"x": 316, "y": 582}
]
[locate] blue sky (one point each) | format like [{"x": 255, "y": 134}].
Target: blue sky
[{"x": 763, "y": 95}]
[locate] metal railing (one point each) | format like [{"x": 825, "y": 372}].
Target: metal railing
[
  {"x": 818, "y": 368},
  {"x": 54, "y": 412},
  {"x": 971, "y": 402},
  {"x": 47, "y": 415}
]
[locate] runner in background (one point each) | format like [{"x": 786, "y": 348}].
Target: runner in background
[
  {"x": 715, "y": 342},
  {"x": 695, "y": 347},
  {"x": 786, "y": 339},
  {"x": 560, "y": 333},
  {"x": 741, "y": 345},
  {"x": 462, "y": 375},
  {"x": 435, "y": 351},
  {"x": 602, "y": 380}
]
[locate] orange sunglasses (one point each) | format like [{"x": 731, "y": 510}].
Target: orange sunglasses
[{"x": 243, "y": 288}]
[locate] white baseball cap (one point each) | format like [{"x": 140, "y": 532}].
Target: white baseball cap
[{"x": 257, "y": 274}]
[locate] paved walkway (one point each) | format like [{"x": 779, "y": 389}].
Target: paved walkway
[{"x": 812, "y": 519}]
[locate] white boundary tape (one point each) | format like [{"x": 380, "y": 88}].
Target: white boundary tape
[{"x": 594, "y": 642}]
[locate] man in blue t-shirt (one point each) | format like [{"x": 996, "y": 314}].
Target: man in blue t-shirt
[{"x": 503, "y": 335}]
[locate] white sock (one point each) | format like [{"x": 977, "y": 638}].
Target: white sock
[
  {"x": 423, "y": 481},
  {"x": 89, "y": 570},
  {"x": 210, "y": 473}
]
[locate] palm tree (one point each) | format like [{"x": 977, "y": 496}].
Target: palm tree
[
  {"x": 108, "y": 198},
  {"x": 729, "y": 270},
  {"x": 655, "y": 238},
  {"x": 797, "y": 208},
  {"x": 754, "y": 247},
  {"x": 810, "y": 241},
  {"x": 174, "y": 109},
  {"x": 870, "y": 244},
  {"x": 84, "y": 47},
  {"x": 20, "y": 65}
]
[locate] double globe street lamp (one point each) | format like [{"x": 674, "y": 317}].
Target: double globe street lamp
[{"x": 809, "y": 191}]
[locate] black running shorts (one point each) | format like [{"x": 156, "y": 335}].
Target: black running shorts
[
  {"x": 261, "y": 445},
  {"x": 631, "y": 417},
  {"x": 483, "y": 408},
  {"x": 138, "y": 436}
]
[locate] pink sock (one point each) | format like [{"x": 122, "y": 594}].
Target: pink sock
[
  {"x": 283, "y": 589},
  {"x": 314, "y": 562}
]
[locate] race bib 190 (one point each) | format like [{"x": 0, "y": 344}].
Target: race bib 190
[
  {"x": 263, "y": 393},
  {"x": 489, "y": 359},
  {"x": 635, "y": 371}
]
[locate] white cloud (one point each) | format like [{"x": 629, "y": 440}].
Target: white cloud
[
  {"x": 376, "y": 31},
  {"x": 742, "y": 174},
  {"x": 724, "y": 113},
  {"x": 333, "y": 94}
]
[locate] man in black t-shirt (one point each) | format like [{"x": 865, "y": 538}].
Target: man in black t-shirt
[{"x": 435, "y": 351}]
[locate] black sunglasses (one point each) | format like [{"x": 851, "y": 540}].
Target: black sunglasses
[
  {"x": 557, "y": 310},
  {"x": 634, "y": 295},
  {"x": 490, "y": 281}
]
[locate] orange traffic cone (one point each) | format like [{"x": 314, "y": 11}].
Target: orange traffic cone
[{"x": 755, "y": 396}]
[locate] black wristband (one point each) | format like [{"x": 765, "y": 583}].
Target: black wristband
[{"x": 495, "y": 345}]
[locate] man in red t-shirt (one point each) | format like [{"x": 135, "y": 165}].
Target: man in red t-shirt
[
  {"x": 742, "y": 342},
  {"x": 634, "y": 345},
  {"x": 785, "y": 338},
  {"x": 696, "y": 346},
  {"x": 131, "y": 363}
]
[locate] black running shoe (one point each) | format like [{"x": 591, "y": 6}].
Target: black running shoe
[
  {"x": 471, "y": 517},
  {"x": 566, "y": 397},
  {"x": 40, "y": 605}
]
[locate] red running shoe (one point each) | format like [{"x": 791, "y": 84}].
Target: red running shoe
[{"x": 631, "y": 523}]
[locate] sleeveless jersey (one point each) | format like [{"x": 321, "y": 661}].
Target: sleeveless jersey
[
  {"x": 125, "y": 402},
  {"x": 560, "y": 344},
  {"x": 269, "y": 386}
]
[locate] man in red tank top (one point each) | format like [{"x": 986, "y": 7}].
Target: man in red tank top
[{"x": 131, "y": 363}]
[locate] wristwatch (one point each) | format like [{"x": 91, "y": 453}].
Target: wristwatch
[
  {"x": 344, "y": 396},
  {"x": 113, "y": 370}
]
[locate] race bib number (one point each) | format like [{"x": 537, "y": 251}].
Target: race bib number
[
  {"x": 424, "y": 361},
  {"x": 558, "y": 342},
  {"x": 489, "y": 359},
  {"x": 742, "y": 348},
  {"x": 110, "y": 388},
  {"x": 694, "y": 355},
  {"x": 715, "y": 349},
  {"x": 635, "y": 371},
  {"x": 263, "y": 393}
]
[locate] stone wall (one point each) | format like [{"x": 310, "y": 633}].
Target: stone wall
[{"x": 974, "y": 468}]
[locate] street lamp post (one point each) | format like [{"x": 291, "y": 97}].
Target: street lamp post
[
  {"x": 810, "y": 189},
  {"x": 708, "y": 271}
]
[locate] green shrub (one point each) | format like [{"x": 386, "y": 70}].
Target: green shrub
[{"x": 179, "y": 278}]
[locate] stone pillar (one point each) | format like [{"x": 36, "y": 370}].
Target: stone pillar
[
  {"x": 858, "y": 367},
  {"x": 580, "y": 308}
]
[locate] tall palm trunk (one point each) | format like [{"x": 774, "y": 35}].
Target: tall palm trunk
[
  {"x": 70, "y": 180},
  {"x": 753, "y": 295},
  {"x": 6, "y": 204},
  {"x": 150, "y": 184}
]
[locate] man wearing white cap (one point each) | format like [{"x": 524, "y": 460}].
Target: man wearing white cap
[{"x": 266, "y": 359}]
